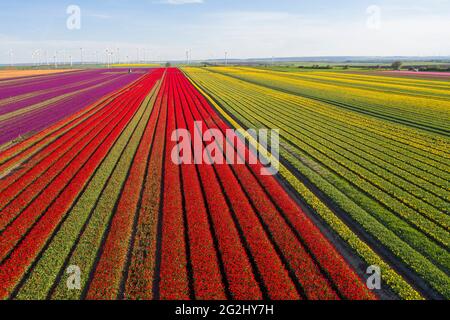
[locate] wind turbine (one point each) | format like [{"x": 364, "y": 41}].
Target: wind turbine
[
  {"x": 108, "y": 57},
  {"x": 39, "y": 56},
  {"x": 55, "y": 57},
  {"x": 34, "y": 57},
  {"x": 11, "y": 57}
]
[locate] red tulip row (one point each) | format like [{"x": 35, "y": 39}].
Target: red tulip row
[
  {"x": 321, "y": 250},
  {"x": 269, "y": 266},
  {"x": 174, "y": 279},
  {"x": 108, "y": 274},
  {"x": 173, "y": 276},
  {"x": 37, "y": 222},
  {"x": 141, "y": 273},
  {"x": 236, "y": 264},
  {"x": 207, "y": 277}
]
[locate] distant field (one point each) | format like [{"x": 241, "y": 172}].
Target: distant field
[{"x": 4, "y": 74}]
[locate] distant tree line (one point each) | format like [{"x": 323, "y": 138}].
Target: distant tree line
[{"x": 316, "y": 66}]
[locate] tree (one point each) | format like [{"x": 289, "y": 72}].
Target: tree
[
  {"x": 168, "y": 64},
  {"x": 396, "y": 65}
]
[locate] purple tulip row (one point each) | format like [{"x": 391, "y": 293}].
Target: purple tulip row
[{"x": 93, "y": 83}]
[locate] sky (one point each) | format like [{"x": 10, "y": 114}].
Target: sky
[{"x": 33, "y": 30}]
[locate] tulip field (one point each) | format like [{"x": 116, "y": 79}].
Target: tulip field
[
  {"x": 88, "y": 183},
  {"x": 369, "y": 153}
]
